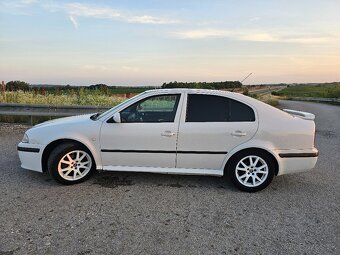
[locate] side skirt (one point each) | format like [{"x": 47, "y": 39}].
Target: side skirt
[{"x": 163, "y": 170}]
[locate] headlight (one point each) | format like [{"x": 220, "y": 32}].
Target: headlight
[{"x": 25, "y": 139}]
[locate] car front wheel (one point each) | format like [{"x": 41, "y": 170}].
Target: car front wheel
[
  {"x": 70, "y": 163},
  {"x": 251, "y": 171}
]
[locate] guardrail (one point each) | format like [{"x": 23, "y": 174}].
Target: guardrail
[
  {"x": 43, "y": 110},
  {"x": 316, "y": 99}
]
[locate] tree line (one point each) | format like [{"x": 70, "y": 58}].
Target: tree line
[
  {"x": 24, "y": 86},
  {"x": 203, "y": 85},
  {"x": 102, "y": 88}
]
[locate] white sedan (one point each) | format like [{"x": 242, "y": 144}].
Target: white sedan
[{"x": 176, "y": 131}]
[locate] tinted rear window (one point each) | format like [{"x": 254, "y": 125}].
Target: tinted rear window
[{"x": 209, "y": 108}]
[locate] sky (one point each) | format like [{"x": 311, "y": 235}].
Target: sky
[{"x": 148, "y": 42}]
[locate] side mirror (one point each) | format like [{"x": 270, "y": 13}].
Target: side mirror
[{"x": 116, "y": 117}]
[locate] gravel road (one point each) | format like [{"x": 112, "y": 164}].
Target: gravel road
[{"x": 131, "y": 213}]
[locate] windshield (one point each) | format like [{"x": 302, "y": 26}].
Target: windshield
[{"x": 101, "y": 115}]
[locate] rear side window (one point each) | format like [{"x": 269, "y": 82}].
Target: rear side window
[
  {"x": 209, "y": 108},
  {"x": 240, "y": 112}
]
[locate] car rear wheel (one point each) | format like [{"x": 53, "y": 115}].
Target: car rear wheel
[
  {"x": 70, "y": 163},
  {"x": 251, "y": 171}
]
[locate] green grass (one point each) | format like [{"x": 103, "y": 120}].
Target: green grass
[
  {"x": 322, "y": 90},
  {"x": 81, "y": 97}
]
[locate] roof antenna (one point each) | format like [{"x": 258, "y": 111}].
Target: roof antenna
[{"x": 246, "y": 77}]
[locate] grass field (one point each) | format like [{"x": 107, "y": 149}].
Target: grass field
[
  {"x": 81, "y": 97},
  {"x": 322, "y": 90}
]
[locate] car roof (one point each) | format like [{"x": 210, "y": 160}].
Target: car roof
[
  {"x": 200, "y": 91},
  {"x": 184, "y": 90}
]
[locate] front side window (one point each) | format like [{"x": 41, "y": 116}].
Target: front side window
[
  {"x": 152, "y": 109},
  {"x": 210, "y": 108}
]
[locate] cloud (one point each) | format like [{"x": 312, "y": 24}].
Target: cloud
[
  {"x": 201, "y": 34},
  {"x": 146, "y": 19},
  {"x": 220, "y": 33},
  {"x": 254, "y": 36},
  {"x": 17, "y": 4},
  {"x": 28, "y": 1},
  {"x": 74, "y": 21},
  {"x": 78, "y": 9},
  {"x": 75, "y": 10}
]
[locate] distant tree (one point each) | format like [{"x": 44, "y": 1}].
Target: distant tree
[
  {"x": 100, "y": 86},
  {"x": 17, "y": 85}
]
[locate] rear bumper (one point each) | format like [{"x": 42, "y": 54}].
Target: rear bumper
[
  {"x": 30, "y": 156},
  {"x": 295, "y": 161}
]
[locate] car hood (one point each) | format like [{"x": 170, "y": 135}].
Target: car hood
[{"x": 65, "y": 120}]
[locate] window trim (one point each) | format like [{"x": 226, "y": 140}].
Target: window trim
[
  {"x": 146, "y": 98},
  {"x": 229, "y": 98}
]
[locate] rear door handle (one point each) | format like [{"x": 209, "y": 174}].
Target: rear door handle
[
  {"x": 238, "y": 133},
  {"x": 168, "y": 133}
]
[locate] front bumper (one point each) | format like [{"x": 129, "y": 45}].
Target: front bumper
[{"x": 30, "y": 156}]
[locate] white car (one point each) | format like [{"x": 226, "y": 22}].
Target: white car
[{"x": 176, "y": 131}]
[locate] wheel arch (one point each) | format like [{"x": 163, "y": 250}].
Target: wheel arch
[
  {"x": 52, "y": 145},
  {"x": 252, "y": 149}
]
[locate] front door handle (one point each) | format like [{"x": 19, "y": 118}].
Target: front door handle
[
  {"x": 238, "y": 133},
  {"x": 168, "y": 133}
]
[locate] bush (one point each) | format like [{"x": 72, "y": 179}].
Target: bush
[
  {"x": 17, "y": 85},
  {"x": 246, "y": 92}
]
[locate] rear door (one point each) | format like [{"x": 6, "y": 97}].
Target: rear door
[{"x": 211, "y": 127}]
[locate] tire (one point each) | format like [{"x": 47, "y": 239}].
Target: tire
[
  {"x": 70, "y": 163},
  {"x": 251, "y": 171}
]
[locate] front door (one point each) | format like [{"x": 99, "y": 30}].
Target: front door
[{"x": 146, "y": 136}]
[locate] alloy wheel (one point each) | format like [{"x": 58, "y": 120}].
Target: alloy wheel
[
  {"x": 74, "y": 165},
  {"x": 252, "y": 171}
]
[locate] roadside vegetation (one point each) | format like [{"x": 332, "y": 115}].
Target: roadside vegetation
[
  {"x": 108, "y": 96},
  {"x": 267, "y": 98},
  {"x": 329, "y": 90},
  {"x": 95, "y": 95},
  {"x": 80, "y": 97}
]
